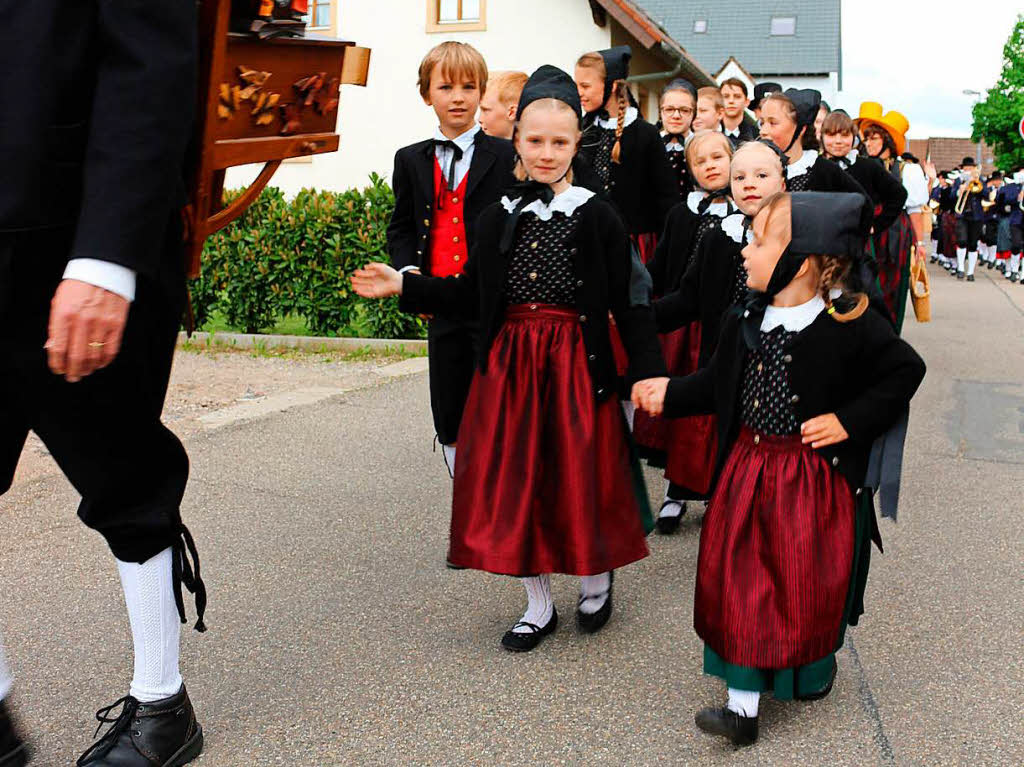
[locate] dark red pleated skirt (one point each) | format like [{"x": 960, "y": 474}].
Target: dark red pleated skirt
[
  {"x": 685, "y": 446},
  {"x": 645, "y": 243},
  {"x": 776, "y": 551},
  {"x": 543, "y": 480}
]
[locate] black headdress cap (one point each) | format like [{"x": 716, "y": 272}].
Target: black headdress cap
[
  {"x": 616, "y": 62},
  {"x": 823, "y": 223},
  {"x": 761, "y": 90},
  {"x": 783, "y": 157},
  {"x": 682, "y": 84},
  {"x": 550, "y": 82},
  {"x": 807, "y": 102}
]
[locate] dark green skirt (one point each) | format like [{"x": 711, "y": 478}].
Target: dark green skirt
[{"x": 787, "y": 683}]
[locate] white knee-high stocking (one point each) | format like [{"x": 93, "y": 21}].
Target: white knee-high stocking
[
  {"x": 5, "y": 675},
  {"x": 156, "y": 627},
  {"x": 539, "y": 603},
  {"x": 972, "y": 262},
  {"x": 961, "y": 254},
  {"x": 594, "y": 591},
  {"x": 743, "y": 702},
  {"x": 449, "y": 458},
  {"x": 1014, "y": 263}
]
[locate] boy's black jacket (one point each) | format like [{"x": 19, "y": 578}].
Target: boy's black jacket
[
  {"x": 603, "y": 267},
  {"x": 490, "y": 173},
  {"x": 859, "y": 370}
]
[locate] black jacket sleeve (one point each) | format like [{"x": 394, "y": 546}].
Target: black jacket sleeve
[
  {"x": 892, "y": 195},
  {"x": 402, "y": 229},
  {"x": 893, "y": 371},
  {"x": 141, "y": 122},
  {"x": 635, "y": 322}
]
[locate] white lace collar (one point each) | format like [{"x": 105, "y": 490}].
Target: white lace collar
[
  {"x": 792, "y": 318},
  {"x": 732, "y": 225},
  {"x": 613, "y": 122},
  {"x": 565, "y": 203},
  {"x": 801, "y": 166},
  {"x": 694, "y": 199}
]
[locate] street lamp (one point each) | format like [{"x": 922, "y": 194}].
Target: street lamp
[{"x": 977, "y": 98}]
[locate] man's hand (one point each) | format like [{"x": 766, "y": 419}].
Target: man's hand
[
  {"x": 823, "y": 431},
  {"x": 649, "y": 395},
  {"x": 86, "y": 327}
]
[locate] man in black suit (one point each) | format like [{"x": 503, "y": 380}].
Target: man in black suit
[{"x": 100, "y": 104}]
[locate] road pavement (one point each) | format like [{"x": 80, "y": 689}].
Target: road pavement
[{"x": 338, "y": 637}]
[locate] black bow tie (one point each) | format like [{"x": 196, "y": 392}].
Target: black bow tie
[
  {"x": 668, "y": 138},
  {"x": 449, "y": 175}
]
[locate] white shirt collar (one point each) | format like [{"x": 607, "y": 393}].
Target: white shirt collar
[
  {"x": 675, "y": 146},
  {"x": 733, "y": 226},
  {"x": 613, "y": 122},
  {"x": 792, "y": 318},
  {"x": 801, "y": 166},
  {"x": 463, "y": 141},
  {"x": 851, "y": 156},
  {"x": 694, "y": 199},
  {"x": 565, "y": 203},
  {"x": 734, "y": 133}
]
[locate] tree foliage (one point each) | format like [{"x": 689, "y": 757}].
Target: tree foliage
[{"x": 996, "y": 119}]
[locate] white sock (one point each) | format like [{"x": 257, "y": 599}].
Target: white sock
[
  {"x": 594, "y": 592},
  {"x": 670, "y": 507},
  {"x": 539, "y": 603},
  {"x": 449, "y": 458},
  {"x": 6, "y": 680},
  {"x": 743, "y": 702},
  {"x": 960, "y": 254},
  {"x": 972, "y": 262},
  {"x": 629, "y": 409},
  {"x": 156, "y": 628},
  {"x": 1014, "y": 263}
]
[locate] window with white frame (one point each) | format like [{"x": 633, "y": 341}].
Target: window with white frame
[
  {"x": 456, "y": 15},
  {"x": 783, "y": 26},
  {"x": 319, "y": 16}
]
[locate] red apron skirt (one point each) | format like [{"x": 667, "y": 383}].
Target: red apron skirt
[
  {"x": 543, "y": 481},
  {"x": 776, "y": 552}
]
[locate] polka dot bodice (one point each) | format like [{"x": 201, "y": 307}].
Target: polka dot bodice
[
  {"x": 738, "y": 292},
  {"x": 766, "y": 399},
  {"x": 798, "y": 183},
  {"x": 541, "y": 268},
  {"x": 680, "y": 170},
  {"x": 602, "y": 161},
  {"x": 705, "y": 224}
]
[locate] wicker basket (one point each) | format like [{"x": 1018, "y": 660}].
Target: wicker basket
[{"x": 920, "y": 290}]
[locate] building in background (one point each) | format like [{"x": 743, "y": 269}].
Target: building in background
[
  {"x": 511, "y": 34},
  {"x": 796, "y": 43},
  {"x": 947, "y": 153}
]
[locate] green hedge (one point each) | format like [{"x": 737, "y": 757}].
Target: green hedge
[{"x": 293, "y": 258}]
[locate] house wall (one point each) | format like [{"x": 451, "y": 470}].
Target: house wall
[
  {"x": 827, "y": 84},
  {"x": 376, "y": 120},
  {"x": 731, "y": 70}
]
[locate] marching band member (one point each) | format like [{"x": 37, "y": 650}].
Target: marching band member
[
  {"x": 970, "y": 216},
  {"x": 547, "y": 481},
  {"x": 1012, "y": 218}
]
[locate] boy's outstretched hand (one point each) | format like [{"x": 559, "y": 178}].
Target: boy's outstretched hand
[
  {"x": 823, "y": 431},
  {"x": 649, "y": 395},
  {"x": 377, "y": 281}
]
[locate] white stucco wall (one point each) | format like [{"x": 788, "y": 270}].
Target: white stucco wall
[
  {"x": 828, "y": 85},
  {"x": 388, "y": 113}
]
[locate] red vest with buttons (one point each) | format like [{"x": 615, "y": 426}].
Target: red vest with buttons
[{"x": 448, "y": 249}]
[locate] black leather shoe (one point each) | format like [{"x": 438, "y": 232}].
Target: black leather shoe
[
  {"x": 824, "y": 691},
  {"x": 13, "y": 752},
  {"x": 668, "y": 525},
  {"x": 516, "y": 641},
  {"x": 970, "y": 278},
  {"x": 591, "y": 623},
  {"x": 959, "y": 275},
  {"x": 740, "y": 730},
  {"x": 164, "y": 733}
]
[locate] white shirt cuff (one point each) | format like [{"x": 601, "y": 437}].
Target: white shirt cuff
[
  {"x": 408, "y": 268},
  {"x": 103, "y": 274}
]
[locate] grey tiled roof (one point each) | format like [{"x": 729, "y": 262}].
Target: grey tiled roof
[{"x": 740, "y": 28}]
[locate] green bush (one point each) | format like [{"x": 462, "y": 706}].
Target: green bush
[{"x": 285, "y": 258}]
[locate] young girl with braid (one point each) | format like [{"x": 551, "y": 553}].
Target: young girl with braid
[
  {"x": 678, "y": 443},
  {"x": 626, "y": 151},
  {"x": 801, "y": 384},
  {"x": 546, "y": 481}
]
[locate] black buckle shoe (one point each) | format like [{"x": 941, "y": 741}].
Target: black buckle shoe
[
  {"x": 163, "y": 733},
  {"x": 521, "y": 641},
  {"x": 591, "y": 623},
  {"x": 670, "y": 524},
  {"x": 740, "y": 730},
  {"x": 824, "y": 691},
  {"x": 13, "y": 751}
]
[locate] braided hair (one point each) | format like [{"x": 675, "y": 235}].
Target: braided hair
[
  {"x": 619, "y": 88},
  {"x": 834, "y": 271}
]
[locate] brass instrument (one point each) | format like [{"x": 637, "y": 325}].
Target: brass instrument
[{"x": 974, "y": 186}]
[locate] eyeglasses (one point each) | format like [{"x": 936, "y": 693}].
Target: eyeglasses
[{"x": 677, "y": 111}]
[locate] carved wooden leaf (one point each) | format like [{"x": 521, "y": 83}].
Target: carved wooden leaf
[
  {"x": 248, "y": 92},
  {"x": 252, "y": 76},
  {"x": 265, "y": 119}
]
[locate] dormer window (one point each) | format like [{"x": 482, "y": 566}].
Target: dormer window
[
  {"x": 783, "y": 26},
  {"x": 700, "y": 26}
]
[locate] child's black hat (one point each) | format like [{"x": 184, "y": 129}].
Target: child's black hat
[
  {"x": 550, "y": 82},
  {"x": 807, "y": 102},
  {"x": 616, "y": 62},
  {"x": 682, "y": 84},
  {"x": 828, "y": 223},
  {"x": 761, "y": 90}
]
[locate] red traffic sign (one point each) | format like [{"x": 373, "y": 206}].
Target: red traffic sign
[{"x": 1020, "y": 127}]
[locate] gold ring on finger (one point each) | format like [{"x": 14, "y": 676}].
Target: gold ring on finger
[{"x": 96, "y": 344}]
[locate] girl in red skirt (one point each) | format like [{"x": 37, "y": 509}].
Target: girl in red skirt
[
  {"x": 547, "y": 481},
  {"x": 714, "y": 281},
  {"x": 800, "y": 391},
  {"x": 680, "y": 443}
]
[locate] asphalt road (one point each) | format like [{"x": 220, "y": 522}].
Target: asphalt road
[{"x": 338, "y": 637}]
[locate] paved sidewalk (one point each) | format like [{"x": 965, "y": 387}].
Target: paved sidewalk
[{"x": 338, "y": 637}]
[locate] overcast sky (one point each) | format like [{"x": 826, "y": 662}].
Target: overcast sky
[{"x": 908, "y": 63}]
